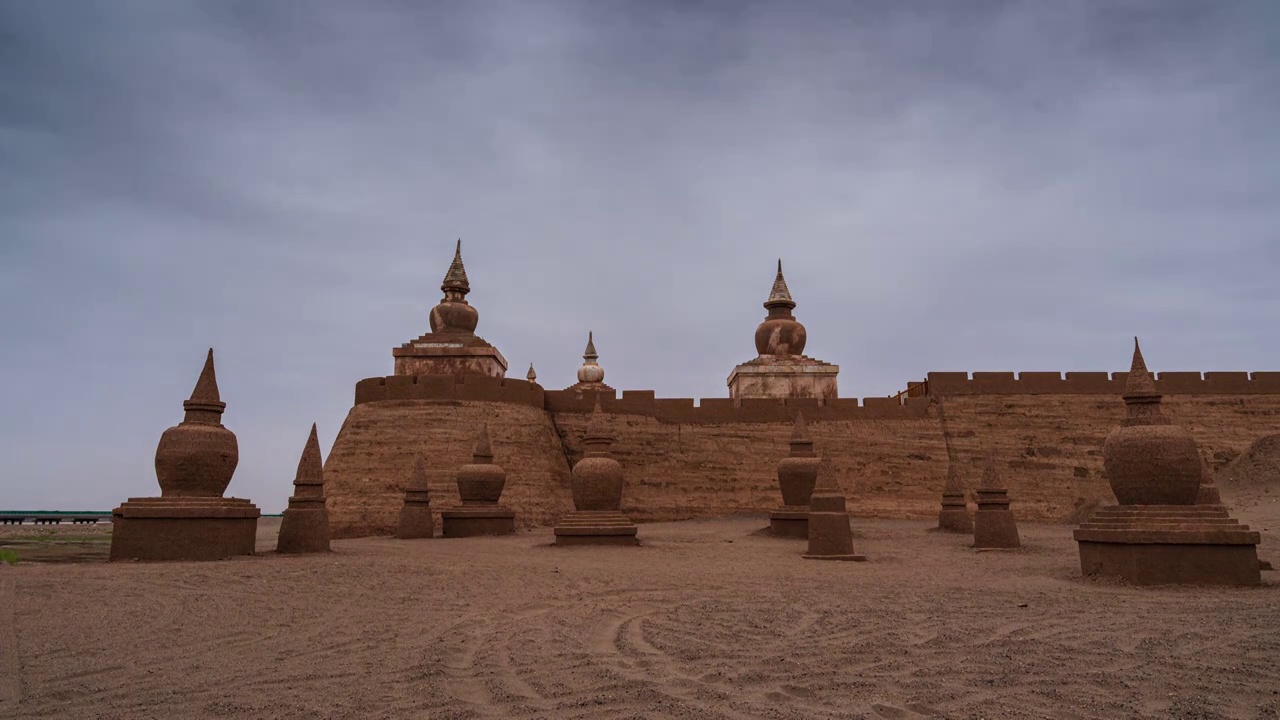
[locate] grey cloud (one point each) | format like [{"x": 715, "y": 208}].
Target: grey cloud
[{"x": 952, "y": 186}]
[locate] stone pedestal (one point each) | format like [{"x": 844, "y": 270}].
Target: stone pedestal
[
  {"x": 478, "y": 520},
  {"x": 183, "y": 528},
  {"x": 1163, "y": 544},
  {"x": 792, "y": 522},
  {"x": 595, "y": 527},
  {"x": 794, "y": 376},
  {"x": 440, "y": 354}
]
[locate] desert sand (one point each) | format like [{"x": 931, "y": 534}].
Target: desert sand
[{"x": 708, "y": 619}]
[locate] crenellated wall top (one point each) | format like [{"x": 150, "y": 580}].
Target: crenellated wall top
[
  {"x": 1101, "y": 383},
  {"x": 633, "y": 402}
]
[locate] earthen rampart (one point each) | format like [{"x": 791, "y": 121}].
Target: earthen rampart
[
  {"x": 634, "y": 402},
  {"x": 1100, "y": 383}
]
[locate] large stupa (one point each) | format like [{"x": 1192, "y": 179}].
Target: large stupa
[
  {"x": 1159, "y": 534},
  {"x": 452, "y": 347},
  {"x": 781, "y": 369}
]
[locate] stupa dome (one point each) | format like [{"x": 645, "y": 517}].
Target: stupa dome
[
  {"x": 453, "y": 313},
  {"x": 780, "y": 334}
]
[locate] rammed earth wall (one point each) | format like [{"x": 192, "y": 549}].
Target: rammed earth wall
[{"x": 684, "y": 459}]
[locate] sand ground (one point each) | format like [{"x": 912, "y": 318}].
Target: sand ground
[{"x": 708, "y": 619}]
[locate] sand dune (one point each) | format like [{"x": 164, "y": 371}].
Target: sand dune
[{"x": 707, "y": 620}]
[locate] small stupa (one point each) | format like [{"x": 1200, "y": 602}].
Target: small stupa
[
  {"x": 954, "y": 515},
  {"x": 415, "y": 516},
  {"x": 591, "y": 375},
  {"x": 829, "y": 535},
  {"x": 305, "y": 525},
  {"x": 780, "y": 369},
  {"x": 531, "y": 376},
  {"x": 452, "y": 347},
  {"x": 194, "y": 464},
  {"x": 597, "y": 493},
  {"x": 1159, "y": 534},
  {"x": 480, "y": 485},
  {"x": 993, "y": 524},
  {"x": 1208, "y": 493},
  {"x": 797, "y": 474}
]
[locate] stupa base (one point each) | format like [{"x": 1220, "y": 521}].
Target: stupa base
[
  {"x": 790, "y": 521},
  {"x": 478, "y": 520},
  {"x": 596, "y": 527},
  {"x": 955, "y": 520},
  {"x": 415, "y": 523},
  {"x": 995, "y": 529},
  {"x": 183, "y": 528},
  {"x": 304, "y": 530},
  {"x": 1169, "y": 544}
]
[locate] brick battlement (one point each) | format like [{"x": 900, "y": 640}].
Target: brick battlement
[
  {"x": 633, "y": 402},
  {"x": 1100, "y": 383}
]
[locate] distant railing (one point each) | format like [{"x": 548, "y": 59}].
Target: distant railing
[
  {"x": 914, "y": 389},
  {"x": 51, "y": 517}
]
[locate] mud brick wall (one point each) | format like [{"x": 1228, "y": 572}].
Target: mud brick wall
[{"x": 683, "y": 459}]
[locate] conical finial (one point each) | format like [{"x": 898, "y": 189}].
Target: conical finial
[
  {"x": 990, "y": 476},
  {"x": 954, "y": 485},
  {"x": 483, "y": 453},
  {"x": 800, "y": 430},
  {"x": 531, "y": 376},
  {"x": 1139, "y": 385},
  {"x": 597, "y": 426},
  {"x": 826, "y": 483},
  {"x": 310, "y": 467},
  {"x": 590, "y": 353},
  {"x": 779, "y": 294},
  {"x": 456, "y": 277},
  {"x": 206, "y": 390},
  {"x": 205, "y": 405},
  {"x": 418, "y": 477}
]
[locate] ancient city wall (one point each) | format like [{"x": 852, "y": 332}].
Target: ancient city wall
[
  {"x": 1101, "y": 383},
  {"x": 684, "y": 459}
]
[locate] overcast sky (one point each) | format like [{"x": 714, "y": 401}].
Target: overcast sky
[{"x": 951, "y": 186}]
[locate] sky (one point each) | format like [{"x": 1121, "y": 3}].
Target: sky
[{"x": 965, "y": 185}]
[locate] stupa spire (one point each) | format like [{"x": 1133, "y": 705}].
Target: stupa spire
[
  {"x": 1139, "y": 384},
  {"x": 483, "y": 452},
  {"x": 531, "y": 376},
  {"x": 206, "y": 389},
  {"x": 800, "y": 430},
  {"x": 205, "y": 404},
  {"x": 456, "y": 277},
  {"x": 780, "y": 295},
  {"x": 590, "y": 354},
  {"x": 1141, "y": 398},
  {"x": 598, "y": 427},
  {"x": 310, "y": 467}
]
